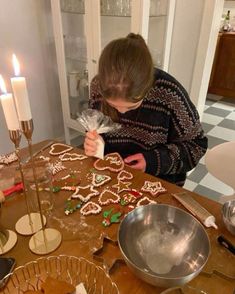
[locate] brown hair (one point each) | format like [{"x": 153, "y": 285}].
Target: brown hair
[{"x": 125, "y": 69}]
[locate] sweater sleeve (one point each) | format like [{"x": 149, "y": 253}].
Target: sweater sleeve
[{"x": 186, "y": 142}]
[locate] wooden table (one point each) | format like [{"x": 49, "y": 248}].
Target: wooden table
[{"x": 218, "y": 275}]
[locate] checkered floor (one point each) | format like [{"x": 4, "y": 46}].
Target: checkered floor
[{"x": 218, "y": 121}]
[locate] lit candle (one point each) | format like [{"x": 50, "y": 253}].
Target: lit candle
[
  {"x": 9, "y": 109},
  {"x": 20, "y": 93}
]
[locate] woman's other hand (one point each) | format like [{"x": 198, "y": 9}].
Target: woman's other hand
[
  {"x": 136, "y": 161},
  {"x": 90, "y": 143}
]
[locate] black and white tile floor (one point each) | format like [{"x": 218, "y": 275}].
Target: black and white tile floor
[{"x": 218, "y": 121}]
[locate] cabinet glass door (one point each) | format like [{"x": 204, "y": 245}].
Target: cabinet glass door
[
  {"x": 75, "y": 48},
  {"x": 157, "y": 32},
  {"x": 115, "y": 20}
]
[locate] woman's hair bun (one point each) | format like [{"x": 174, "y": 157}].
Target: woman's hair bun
[{"x": 135, "y": 37}]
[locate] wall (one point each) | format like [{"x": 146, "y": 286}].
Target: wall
[
  {"x": 26, "y": 30},
  {"x": 186, "y": 31}
]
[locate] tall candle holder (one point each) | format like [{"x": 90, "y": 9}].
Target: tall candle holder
[
  {"x": 45, "y": 240},
  {"x": 29, "y": 223},
  {"x": 8, "y": 238}
]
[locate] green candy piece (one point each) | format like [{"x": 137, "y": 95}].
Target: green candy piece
[
  {"x": 107, "y": 213},
  {"x": 115, "y": 217},
  {"x": 56, "y": 189}
]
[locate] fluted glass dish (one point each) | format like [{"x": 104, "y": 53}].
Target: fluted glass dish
[{"x": 71, "y": 269}]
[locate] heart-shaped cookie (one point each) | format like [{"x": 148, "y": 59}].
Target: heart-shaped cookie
[
  {"x": 72, "y": 157},
  {"x": 59, "y": 148},
  {"x": 112, "y": 162},
  {"x": 145, "y": 201},
  {"x": 107, "y": 197},
  {"x": 90, "y": 208},
  {"x": 124, "y": 175}
]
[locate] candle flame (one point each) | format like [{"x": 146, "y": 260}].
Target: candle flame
[
  {"x": 2, "y": 85},
  {"x": 16, "y": 65}
]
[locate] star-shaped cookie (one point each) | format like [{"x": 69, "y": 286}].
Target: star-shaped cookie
[
  {"x": 154, "y": 188},
  {"x": 108, "y": 253},
  {"x": 84, "y": 193},
  {"x": 122, "y": 186}
]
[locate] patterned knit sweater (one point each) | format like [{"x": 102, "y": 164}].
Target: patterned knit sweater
[{"x": 165, "y": 128}]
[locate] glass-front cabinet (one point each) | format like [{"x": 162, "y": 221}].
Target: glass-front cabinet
[{"x": 83, "y": 27}]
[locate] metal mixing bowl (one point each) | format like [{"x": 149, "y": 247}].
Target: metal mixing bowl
[
  {"x": 163, "y": 245},
  {"x": 228, "y": 212}
]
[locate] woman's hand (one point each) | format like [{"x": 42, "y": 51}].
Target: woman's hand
[
  {"x": 136, "y": 161},
  {"x": 90, "y": 143}
]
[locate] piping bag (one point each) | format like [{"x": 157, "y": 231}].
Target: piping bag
[{"x": 92, "y": 119}]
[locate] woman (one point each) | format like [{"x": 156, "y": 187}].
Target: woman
[{"x": 161, "y": 132}]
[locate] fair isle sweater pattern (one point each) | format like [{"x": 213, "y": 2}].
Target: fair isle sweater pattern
[{"x": 165, "y": 128}]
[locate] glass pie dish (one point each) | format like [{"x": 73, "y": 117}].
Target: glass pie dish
[{"x": 71, "y": 269}]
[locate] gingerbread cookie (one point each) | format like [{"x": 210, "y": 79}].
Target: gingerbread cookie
[
  {"x": 145, "y": 201},
  {"x": 128, "y": 198},
  {"x": 84, "y": 193},
  {"x": 107, "y": 197},
  {"x": 56, "y": 167},
  {"x": 112, "y": 162},
  {"x": 72, "y": 157},
  {"x": 8, "y": 158},
  {"x": 53, "y": 286},
  {"x": 46, "y": 158},
  {"x": 154, "y": 188},
  {"x": 122, "y": 186},
  {"x": 59, "y": 148},
  {"x": 90, "y": 208},
  {"x": 124, "y": 175},
  {"x": 99, "y": 180},
  {"x": 33, "y": 292},
  {"x": 68, "y": 180}
]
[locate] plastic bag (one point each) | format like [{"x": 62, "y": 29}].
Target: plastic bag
[{"x": 92, "y": 119}]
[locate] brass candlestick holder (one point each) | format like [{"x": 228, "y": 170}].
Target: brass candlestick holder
[
  {"x": 45, "y": 240},
  {"x": 29, "y": 223},
  {"x": 8, "y": 238}
]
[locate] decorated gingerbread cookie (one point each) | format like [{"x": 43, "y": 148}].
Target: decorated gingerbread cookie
[
  {"x": 56, "y": 167},
  {"x": 145, "y": 201},
  {"x": 112, "y": 162},
  {"x": 90, "y": 208},
  {"x": 99, "y": 180},
  {"x": 122, "y": 186},
  {"x": 54, "y": 286},
  {"x": 124, "y": 175},
  {"x": 72, "y": 157},
  {"x": 33, "y": 292},
  {"x": 85, "y": 193},
  {"x": 128, "y": 198},
  {"x": 154, "y": 188},
  {"x": 59, "y": 148},
  {"x": 107, "y": 196},
  {"x": 8, "y": 158},
  {"x": 67, "y": 183}
]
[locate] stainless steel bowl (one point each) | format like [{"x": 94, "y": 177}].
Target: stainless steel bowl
[
  {"x": 228, "y": 212},
  {"x": 163, "y": 245}
]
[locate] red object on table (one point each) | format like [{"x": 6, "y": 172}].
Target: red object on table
[{"x": 15, "y": 188}]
